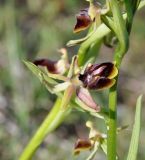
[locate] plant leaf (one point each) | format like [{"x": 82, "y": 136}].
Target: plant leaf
[{"x": 132, "y": 154}]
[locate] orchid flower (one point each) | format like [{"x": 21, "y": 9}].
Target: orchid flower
[{"x": 73, "y": 81}]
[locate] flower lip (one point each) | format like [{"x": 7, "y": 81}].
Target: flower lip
[
  {"x": 82, "y": 144},
  {"x": 99, "y": 76},
  {"x": 102, "y": 69},
  {"x": 100, "y": 83},
  {"x": 83, "y": 21},
  {"x": 87, "y": 16}
]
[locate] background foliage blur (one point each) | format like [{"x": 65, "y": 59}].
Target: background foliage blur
[{"x": 37, "y": 28}]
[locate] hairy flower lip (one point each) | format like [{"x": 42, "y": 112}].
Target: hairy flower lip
[
  {"x": 99, "y": 76},
  {"x": 82, "y": 144},
  {"x": 103, "y": 69},
  {"x": 83, "y": 21},
  {"x": 99, "y": 83},
  {"x": 87, "y": 16}
]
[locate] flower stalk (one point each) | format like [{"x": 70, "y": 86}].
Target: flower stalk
[
  {"x": 51, "y": 122},
  {"x": 122, "y": 47}
]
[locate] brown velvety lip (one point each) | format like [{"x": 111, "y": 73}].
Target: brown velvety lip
[
  {"x": 83, "y": 21},
  {"x": 82, "y": 144}
]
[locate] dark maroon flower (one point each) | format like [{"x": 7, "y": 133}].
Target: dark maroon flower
[
  {"x": 83, "y": 21},
  {"x": 94, "y": 77},
  {"x": 87, "y": 16},
  {"x": 99, "y": 76},
  {"x": 81, "y": 145},
  {"x": 94, "y": 140}
]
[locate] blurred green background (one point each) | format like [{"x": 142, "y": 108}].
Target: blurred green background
[{"x": 37, "y": 28}]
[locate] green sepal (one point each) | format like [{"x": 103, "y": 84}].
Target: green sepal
[
  {"x": 42, "y": 76},
  {"x": 87, "y": 108}
]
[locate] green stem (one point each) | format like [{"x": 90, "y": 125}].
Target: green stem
[
  {"x": 51, "y": 122},
  {"x": 119, "y": 54},
  {"x": 122, "y": 35},
  {"x": 112, "y": 131},
  {"x": 111, "y": 139}
]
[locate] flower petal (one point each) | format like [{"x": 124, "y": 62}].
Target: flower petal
[
  {"x": 81, "y": 145},
  {"x": 99, "y": 83},
  {"x": 83, "y": 21},
  {"x": 87, "y": 101}
]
